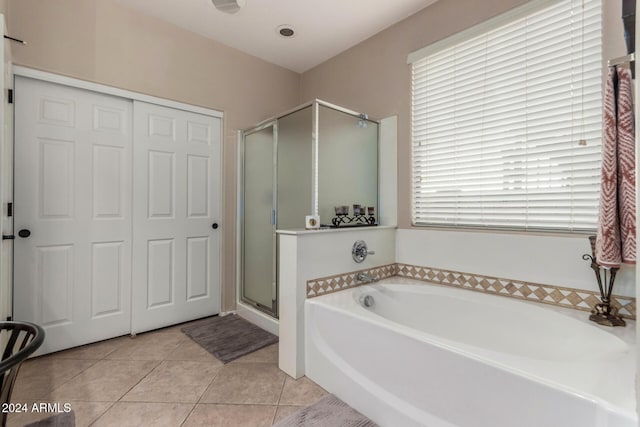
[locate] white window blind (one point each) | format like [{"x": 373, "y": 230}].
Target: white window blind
[{"x": 506, "y": 123}]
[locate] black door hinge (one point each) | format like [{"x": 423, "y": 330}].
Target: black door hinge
[
  {"x": 10, "y": 209},
  {"x": 10, "y": 96}
]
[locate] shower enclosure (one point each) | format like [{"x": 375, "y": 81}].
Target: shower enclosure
[{"x": 304, "y": 162}]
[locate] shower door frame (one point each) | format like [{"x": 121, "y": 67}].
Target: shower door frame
[
  {"x": 273, "y": 310},
  {"x": 273, "y": 121}
]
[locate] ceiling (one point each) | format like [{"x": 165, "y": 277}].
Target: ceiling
[{"x": 323, "y": 28}]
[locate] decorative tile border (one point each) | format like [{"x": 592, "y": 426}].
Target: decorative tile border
[
  {"x": 548, "y": 294},
  {"x": 555, "y": 295},
  {"x": 339, "y": 282}
]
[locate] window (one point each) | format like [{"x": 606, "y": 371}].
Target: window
[{"x": 507, "y": 121}]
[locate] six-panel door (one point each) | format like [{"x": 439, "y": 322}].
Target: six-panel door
[
  {"x": 73, "y": 195},
  {"x": 118, "y": 203},
  {"x": 176, "y": 202}
]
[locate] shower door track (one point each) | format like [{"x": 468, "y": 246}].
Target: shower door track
[{"x": 263, "y": 308}]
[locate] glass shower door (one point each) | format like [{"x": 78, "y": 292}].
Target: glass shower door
[{"x": 258, "y": 219}]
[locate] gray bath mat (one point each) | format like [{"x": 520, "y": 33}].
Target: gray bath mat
[
  {"x": 229, "y": 337},
  {"x": 326, "y": 412},
  {"x": 65, "y": 419}
]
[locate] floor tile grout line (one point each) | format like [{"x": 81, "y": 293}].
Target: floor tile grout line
[
  {"x": 189, "y": 414},
  {"x": 275, "y": 413},
  {"x": 102, "y": 414},
  {"x": 159, "y": 362},
  {"x": 200, "y": 398},
  {"x": 175, "y": 402},
  {"x": 55, "y": 355},
  {"x": 210, "y": 403},
  {"x": 112, "y": 351},
  {"x": 48, "y": 393},
  {"x": 221, "y": 403},
  {"x": 203, "y": 393},
  {"x": 273, "y": 420},
  {"x": 209, "y": 385}
]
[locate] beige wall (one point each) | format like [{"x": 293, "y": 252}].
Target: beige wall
[
  {"x": 374, "y": 77},
  {"x": 105, "y": 42}
]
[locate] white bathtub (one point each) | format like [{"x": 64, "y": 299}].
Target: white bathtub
[{"x": 428, "y": 355}]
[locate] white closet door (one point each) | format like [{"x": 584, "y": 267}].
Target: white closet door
[
  {"x": 176, "y": 202},
  {"x": 73, "y": 194}
]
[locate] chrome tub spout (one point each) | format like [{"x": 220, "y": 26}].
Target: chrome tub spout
[{"x": 365, "y": 278}]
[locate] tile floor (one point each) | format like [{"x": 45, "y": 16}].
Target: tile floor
[{"x": 161, "y": 378}]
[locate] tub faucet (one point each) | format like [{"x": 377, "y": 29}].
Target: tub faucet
[{"x": 365, "y": 278}]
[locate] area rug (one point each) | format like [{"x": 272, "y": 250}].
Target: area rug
[
  {"x": 64, "y": 419},
  {"x": 229, "y": 337},
  {"x": 326, "y": 412}
]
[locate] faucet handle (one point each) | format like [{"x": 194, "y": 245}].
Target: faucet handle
[
  {"x": 359, "y": 251},
  {"x": 371, "y": 252}
]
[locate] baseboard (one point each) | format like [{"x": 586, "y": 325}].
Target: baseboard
[{"x": 226, "y": 313}]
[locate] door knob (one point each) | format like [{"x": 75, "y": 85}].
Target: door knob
[
  {"x": 24, "y": 233},
  {"x": 214, "y": 225}
]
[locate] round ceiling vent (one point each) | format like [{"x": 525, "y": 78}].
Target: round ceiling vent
[{"x": 286, "y": 31}]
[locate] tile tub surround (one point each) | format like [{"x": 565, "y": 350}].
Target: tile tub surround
[
  {"x": 338, "y": 282},
  {"x": 547, "y": 294}
]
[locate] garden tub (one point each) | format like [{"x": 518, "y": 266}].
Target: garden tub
[{"x": 409, "y": 353}]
